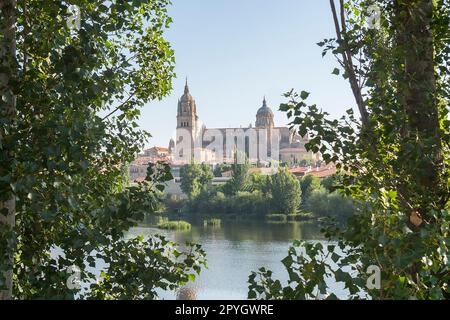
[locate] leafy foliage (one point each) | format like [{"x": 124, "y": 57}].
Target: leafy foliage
[
  {"x": 333, "y": 183},
  {"x": 308, "y": 184},
  {"x": 239, "y": 181},
  {"x": 79, "y": 93},
  {"x": 260, "y": 200},
  {"x": 138, "y": 268},
  {"x": 195, "y": 178},
  {"x": 219, "y": 169},
  {"x": 396, "y": 155},
  {"x": 286, "y": 192},
  {"x": 325, "y": 204},
  {"x": 174, "y": 225},
  {"x": 244, "y": 203},
  {"x": 308, "y": 268}
]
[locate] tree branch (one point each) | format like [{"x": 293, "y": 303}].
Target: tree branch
[
  {"x": 348, "y": 59},
  {"x": 118, "y": 107}
]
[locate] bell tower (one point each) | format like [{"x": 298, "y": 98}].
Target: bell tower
[
  {"x": 187, "y": 126},
  {"x": 187, "y": 111}
]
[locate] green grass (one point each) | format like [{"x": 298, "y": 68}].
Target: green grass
[{"x": 174, "y": 225}]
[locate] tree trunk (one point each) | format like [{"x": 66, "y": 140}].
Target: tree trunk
[
  {"x": 423, "y": 153},
  {"x": 7, "y": 116}
]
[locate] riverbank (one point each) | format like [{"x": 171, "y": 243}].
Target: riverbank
[
  {"x": 281, "y": 197},
  {"x": 177, "y": 221}
]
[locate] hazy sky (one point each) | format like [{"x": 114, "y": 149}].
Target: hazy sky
[{"x": 236, "y": 51}]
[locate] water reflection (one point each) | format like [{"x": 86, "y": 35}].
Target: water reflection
[{"x": 187, "y": 293}]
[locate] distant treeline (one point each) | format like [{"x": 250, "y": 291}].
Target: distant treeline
[{"x": 258, "y": 195}]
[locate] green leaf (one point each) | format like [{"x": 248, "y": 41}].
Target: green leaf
[
  {"x": 335, "y": 257},
  {"x": 304, "y": 95}
]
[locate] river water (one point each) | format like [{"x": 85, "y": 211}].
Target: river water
[{"x": 235, "y": 249}]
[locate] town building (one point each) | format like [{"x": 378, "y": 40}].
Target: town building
[
  {"x": 262, "y": 143},
  {"x": 138, "y": 168},
  {"x": 289, "y": 147}
]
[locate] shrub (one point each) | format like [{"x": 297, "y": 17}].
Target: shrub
[
  {"x": 245, "y": 203},
  {"x": 324, "y": 204},
  {"x": 173, "y": 203},
  {"x": 175, "y": 225}
]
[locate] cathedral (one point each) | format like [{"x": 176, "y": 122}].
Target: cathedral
[{"x": 261, "y": 143}]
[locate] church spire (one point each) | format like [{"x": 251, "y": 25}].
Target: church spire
[
  {"x": 186, "y": 87},
  {"x": 264, "y": 102}
]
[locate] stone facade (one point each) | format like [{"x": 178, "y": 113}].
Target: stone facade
[{"x": 290, "y": 148}]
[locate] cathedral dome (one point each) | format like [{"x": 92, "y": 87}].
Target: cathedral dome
[
  {"x": 264, "y": 110},
  {"x": 264, "y": 116}
]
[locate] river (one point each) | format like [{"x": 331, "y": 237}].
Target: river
[{"x": 235, "y": 249}]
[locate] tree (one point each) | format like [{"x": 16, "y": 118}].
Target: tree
[
  {"x": 239, "y": 180},
  {"x": 206, "y": 176},
  {"x": 308, "y": 184},
  {"x": 220, "y": 168},
  {"x": 8, "y": 115},
  {"x": 195, "y": 178},
  {"x": 325, "y": 204},
  {"x": 333, "y": 182},
  {"x": 78, "y": 94},
  {"x": 259, "y": 182},
  {"x": 125, "y": 279},
  {"x": 286, "y": 192},
  {"x": 217, "y": 171},
  {"x": 394, "y": 154}
]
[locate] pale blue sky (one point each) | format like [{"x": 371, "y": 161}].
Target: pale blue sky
[{"x": 236, "y": 51}]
